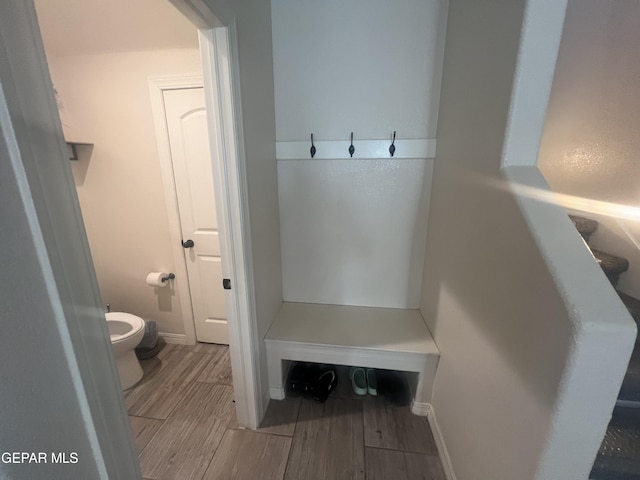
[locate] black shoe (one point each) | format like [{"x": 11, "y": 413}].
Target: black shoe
[
  {"x": 311, "y": 376},
  {"x": 295, "y": 382},
  {"x": 325, "y": 384}
]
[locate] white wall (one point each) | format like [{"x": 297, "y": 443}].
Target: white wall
[
  {"x": 106, "y": 102},
  {"x": 591, "y": 139},
  {"x": 353, "y": 231},
  {"x": 258, "y": 115},
  {"x": 533, "y": 344},
  {"x": 360, "y": 66}
]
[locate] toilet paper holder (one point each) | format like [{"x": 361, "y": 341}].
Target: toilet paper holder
[{"x": 171, "y": 276}]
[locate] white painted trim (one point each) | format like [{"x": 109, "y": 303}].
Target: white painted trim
[
  {"x": 420, "y": 409},
  {"x": 277, "y": 393},
  {"x": 157, "y": 85},
  {"x": 445, "y": 459},
  {"x": 175, "y": 338},
  {"x": 198, "y": 12},
  {"x": 220, "y": 68},
  {"x": 364, "y": 149}
]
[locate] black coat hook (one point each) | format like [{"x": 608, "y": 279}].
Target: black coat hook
[
  {"x": 312, "y": 150},
  {"x": 352, "y": 149},
  {"x": 392, "y": 147}
]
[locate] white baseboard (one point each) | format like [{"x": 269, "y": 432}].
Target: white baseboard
[
  {"x": 276, "y": 393},
  {"x": 177, "y": 338},
  {"x": 264, "y": 403},
  {"x": 421, "y": 409},
  {"x": 447, "y": 466}
]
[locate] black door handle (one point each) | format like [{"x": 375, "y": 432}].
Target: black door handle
[{"x": 188, "y": 244}]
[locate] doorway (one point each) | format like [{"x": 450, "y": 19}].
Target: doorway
[
  {"x": 217, "y": 49},
  {"x": 183, "y": 146},
  {"x": 103, "y": 99}
]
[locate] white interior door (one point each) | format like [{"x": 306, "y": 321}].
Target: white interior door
[{"x": 189, "y": 144}]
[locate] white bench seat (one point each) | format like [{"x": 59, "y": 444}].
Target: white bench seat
[{"x": 386, "y": 338}]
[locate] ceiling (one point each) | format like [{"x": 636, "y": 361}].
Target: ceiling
[{"x": 81, "y": 27}]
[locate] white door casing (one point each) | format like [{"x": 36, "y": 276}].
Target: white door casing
[
  {"x": 186, "y": 119},
  {"x": 220, "y": 68}
]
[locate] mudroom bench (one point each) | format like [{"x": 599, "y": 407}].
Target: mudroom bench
[{"x": 372, "y": 337}]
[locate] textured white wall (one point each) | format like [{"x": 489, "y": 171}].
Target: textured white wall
[
  {"x": 353, "y": 231},
  {"x": 107, "y": 103},
  {"x": 591, "y": 141},
  {"x": 533, "y": 343}
]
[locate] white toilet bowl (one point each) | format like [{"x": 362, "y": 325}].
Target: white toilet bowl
[{"x": 126, "y": 332}]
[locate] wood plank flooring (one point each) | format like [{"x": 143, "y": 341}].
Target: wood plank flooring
[{"x": 184, "y": 425}]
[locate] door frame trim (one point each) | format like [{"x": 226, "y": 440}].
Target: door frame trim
[
  {"x": 158, "y": 84},
  {"x": 219, "y": 58}
]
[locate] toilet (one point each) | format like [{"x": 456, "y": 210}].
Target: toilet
[{"x": 126, "y": 332}]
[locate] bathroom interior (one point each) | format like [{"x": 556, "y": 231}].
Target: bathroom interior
[
  {"x": 353, "y": 232},
  {"x": 104, "y": 101}
]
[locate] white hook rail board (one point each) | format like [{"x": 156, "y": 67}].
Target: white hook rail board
[{"x": 365, "y": 149}]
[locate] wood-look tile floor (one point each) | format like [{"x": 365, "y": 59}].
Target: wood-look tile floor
[{"x": 183, "y": 420}]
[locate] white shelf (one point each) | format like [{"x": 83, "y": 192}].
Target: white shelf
[
  {"x": 72, "y": 148},
  {"x": 365, "y": 149}
]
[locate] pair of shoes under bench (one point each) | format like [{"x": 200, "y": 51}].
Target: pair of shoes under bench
[
  {"x": 312, "y": 380},
  {"x": 363, "y": 381}
]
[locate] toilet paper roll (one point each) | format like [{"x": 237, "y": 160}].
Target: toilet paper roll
[{"x": 154, "y": 279}]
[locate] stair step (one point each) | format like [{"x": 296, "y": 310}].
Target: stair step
[
  {"x": 632, "y": 304},
  {"x": 630, "y": 390},
  {"x": 619, "y": 455},
  {"x": 611, "y": 265},
  {"x": 585, "y": 226}
]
